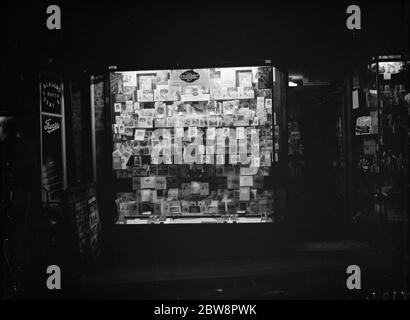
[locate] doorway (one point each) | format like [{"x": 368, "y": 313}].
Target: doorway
[{"x": 316, "y": 154}]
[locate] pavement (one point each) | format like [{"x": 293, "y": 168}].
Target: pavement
[{"x": 309, "y": 270}]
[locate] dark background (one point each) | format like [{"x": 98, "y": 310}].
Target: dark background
[{"x": 96, "y": 34}]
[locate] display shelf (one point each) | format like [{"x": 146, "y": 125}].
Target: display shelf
[{"x": 195, "y": 220}]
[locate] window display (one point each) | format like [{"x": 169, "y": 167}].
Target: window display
[
  {"x": 380, "y": 144},
  {"x": 193, "y": 145}
]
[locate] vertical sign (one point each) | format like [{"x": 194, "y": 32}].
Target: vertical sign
[
  {"x": 51, "y": 96},
  {"x": 53, "y": 166}
]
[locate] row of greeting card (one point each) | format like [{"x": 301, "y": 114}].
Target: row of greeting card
[
  {"x": 227, "y": 113},
  {"x": 191, "y": 85},
  {"x": 243, "y": 201},
  {"x": 255, "y": 151},
  {"x": 196, "y": 187},
  {"x": 177, "y": 173}
]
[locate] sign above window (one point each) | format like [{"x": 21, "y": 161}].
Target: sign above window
[{"x": 189, "y": 76}]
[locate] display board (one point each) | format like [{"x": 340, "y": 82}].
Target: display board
[{"x": 194, "y": 145}]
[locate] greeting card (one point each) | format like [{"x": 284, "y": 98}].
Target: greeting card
[
  {"x": 117, "y": 107},
  {"x": 136, "y": 183},
  {"x": 204, "y": 189},
  {"x": 145, "y": 95},
  {"x": 161, "y": 93},
  {"x": 147, "y": 182},
  {"x": 160, "y": 183},
  {"x": 245, "y": 78},
  {"x": 185, "y": 189},
  {"x": 146, "y": 195},
  {"x": 232, "y": 93},
  {"x": 139, "y": 135},
  {"x": 244, "y": 194},
  {"x": 246, "y": 181},
  {"x": 246, "y": 93},
  {"x": 233, "y": 182}
]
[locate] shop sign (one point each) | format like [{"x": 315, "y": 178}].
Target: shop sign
[
  {"x": 50, "y": 126},
  {"x": 189, "y": 76},
  {"x": 51, "y": 96},
  {"x": 184, "y": 78}
]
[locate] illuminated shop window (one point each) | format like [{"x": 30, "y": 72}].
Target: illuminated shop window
[{"x": 193, "y": 145}]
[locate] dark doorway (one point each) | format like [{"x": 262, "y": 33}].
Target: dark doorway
[{"x": 316, "y": 157}]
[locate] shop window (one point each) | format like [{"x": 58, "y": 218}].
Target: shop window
[{"x": 194, "y": 145}]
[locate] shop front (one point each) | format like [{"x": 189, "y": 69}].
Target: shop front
[
  {"x": 198, "y": 156},
  {"x": 235, "y": 160}
]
